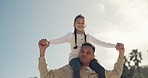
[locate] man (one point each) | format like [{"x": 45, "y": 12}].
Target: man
[{"x": 86, "y": 55}]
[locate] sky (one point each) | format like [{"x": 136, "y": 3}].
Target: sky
[{"x": 24, "y": 22}]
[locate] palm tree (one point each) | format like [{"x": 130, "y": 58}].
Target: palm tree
[
  {"x": 136, "y": 57},
  {"x": 125, "y": 73},
  {"x": 127, "y": 61}
]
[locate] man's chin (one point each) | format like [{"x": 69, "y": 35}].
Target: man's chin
[{"x": 83, "y": 61}]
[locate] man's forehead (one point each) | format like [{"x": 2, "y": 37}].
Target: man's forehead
[
  {"x": 86, "y": 48},
  {"x": 89, "y": 45}
]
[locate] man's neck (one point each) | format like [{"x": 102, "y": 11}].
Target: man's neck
[{"x": 85, "y": 65}]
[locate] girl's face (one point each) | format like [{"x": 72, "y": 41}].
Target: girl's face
[{"x": 80, "y": 24}]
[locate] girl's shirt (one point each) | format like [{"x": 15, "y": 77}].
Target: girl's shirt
[{"x": 70, "y": 38}]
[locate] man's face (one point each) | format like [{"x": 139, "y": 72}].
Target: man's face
[{"x": 86, "y": 55}]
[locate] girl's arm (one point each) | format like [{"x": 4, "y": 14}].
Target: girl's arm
[
  {"x": 61, "y": 39},
  {"x": 100, "y": 43}
]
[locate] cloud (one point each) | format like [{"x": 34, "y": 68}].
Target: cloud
[
  {"x": 127, "y": 23},
  {"x": 100, "y": 8}
]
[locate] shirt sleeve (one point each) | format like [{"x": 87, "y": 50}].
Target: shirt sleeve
[
  {"x": 62, "y": 72},
  {"x": 61, "y": 39},
  {"x": 43, "y": 68},
  {"x": 99, "y": 42},
  {"x": 117, "y": 71}
]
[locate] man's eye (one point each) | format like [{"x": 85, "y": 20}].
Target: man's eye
[{"x": 88, "y": 52}]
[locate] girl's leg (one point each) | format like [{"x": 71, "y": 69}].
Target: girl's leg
[
  {"x": 98, "y": 68},
  {"x": 75, "y": 64}
]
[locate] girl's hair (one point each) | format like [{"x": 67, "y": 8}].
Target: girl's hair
[{"x": 75, "y": 31}]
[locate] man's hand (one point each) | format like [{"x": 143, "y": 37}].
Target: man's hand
[
  {"x": 120, "y": 48},
  {"x": 43, "y": 44}
]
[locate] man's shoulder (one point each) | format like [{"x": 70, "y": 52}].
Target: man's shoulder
[
  {"x": 66, "y": 69},
  {"x": 67, "y": 66}
]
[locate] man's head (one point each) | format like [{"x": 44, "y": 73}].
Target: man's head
[{"x": 86, "y": 53}]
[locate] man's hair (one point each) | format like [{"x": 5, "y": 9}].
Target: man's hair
[{"x": 90, "y": 45}]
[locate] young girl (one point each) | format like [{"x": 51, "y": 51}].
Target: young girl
[{"x": 76, "y": 39}]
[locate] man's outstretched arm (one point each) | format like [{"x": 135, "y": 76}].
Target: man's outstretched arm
[
  {"x": 118, "y": 66},
  {"x": 43, "y": 69}
]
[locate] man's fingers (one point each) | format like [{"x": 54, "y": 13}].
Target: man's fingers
[
  {"x": 43, "y": 42},
  {"x": 48, "y": 42},
  {"x": 120, "y": 45}
]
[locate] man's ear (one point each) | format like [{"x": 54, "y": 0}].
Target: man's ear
[
  {"x": 85, "y": 26},
  {"x": 93, "y": 56}
]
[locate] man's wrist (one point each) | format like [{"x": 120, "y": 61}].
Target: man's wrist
[
  {"x": 42, "y": 53},
  {"x": 121, "y": 55}
]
